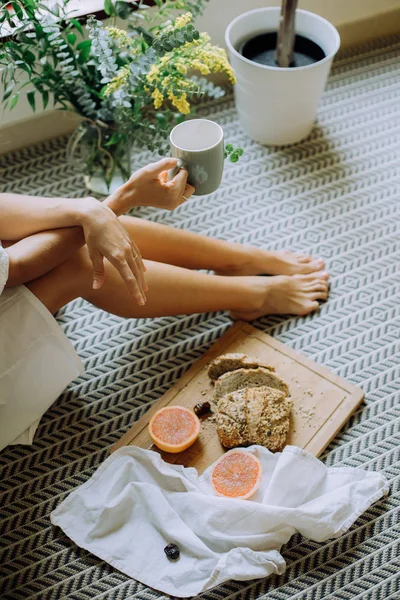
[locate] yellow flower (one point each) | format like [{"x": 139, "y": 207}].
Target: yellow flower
[
  {"x": 119, "y": 36},
  {"x": 180, "y": 102},
  {"x": 187, "y": 83},
  {"x": 119, "y": 80},
  {"x": 153, "y": 75},
  {"x": 180, "y": 66},
  {"x": 183, "y": 20},
  {"x": 199, "y": 66},
  {"x": 158, "y": 98},
  {"x": 166, "y": 78}
]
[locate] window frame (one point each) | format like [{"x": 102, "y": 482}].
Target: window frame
[{"x": 81, "y": 16}]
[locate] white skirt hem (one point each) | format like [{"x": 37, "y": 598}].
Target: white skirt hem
[{"x": 37, "y": 362}]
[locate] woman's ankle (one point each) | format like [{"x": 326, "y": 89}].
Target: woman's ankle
[
  {"x": 241, "y": 261},
  {"x": 250, "y": 295}
]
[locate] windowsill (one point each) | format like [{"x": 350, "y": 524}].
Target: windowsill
[
  {"x": 357, "y": 23},
  {"x": 79, "y": 10}
]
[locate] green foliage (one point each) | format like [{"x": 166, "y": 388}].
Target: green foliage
[
  {"x": 43, "y": 46},
  {"x": 173, "y": 39},
  {"x": 234, "y": 154},
  {"x": 75, "y": 71}
]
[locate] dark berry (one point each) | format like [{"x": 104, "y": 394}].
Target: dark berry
[
  {"x": 172, "y": 551},
  {"x": 202, "y": 408}
]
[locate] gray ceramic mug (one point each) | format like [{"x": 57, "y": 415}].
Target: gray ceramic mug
[{"x": 199, "y": 144}]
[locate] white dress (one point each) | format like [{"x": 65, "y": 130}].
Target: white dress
[{"x": 37, "y": 361}]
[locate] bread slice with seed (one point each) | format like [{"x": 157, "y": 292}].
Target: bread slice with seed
[
  {"x": 233, "y": 361},
  {"x": 232, "y": 425},
  {"x": 274, "y": 421},
  {"x": 254, "y": 416},
  {"x": 247, "y": 378}
]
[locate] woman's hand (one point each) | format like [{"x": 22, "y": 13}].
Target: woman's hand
[
  {"x": 149, "y": 187},
  {"x": 106, "y": 238}
]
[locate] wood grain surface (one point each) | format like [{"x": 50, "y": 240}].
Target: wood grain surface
[{"x": 322, "y": 402}]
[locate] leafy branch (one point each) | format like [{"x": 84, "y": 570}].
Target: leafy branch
[
  {"x": 233, "y": 153},
  {"x": 132, "y": 85}
]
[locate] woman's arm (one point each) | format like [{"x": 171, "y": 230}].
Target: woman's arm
[
  {"x": 45, "y": 247},
  {"x": 21, "y": 216},
  {"x": 39, "y": 253},
  {"x": 33, "y": 256},
  {"x": 102, "y": 232}
]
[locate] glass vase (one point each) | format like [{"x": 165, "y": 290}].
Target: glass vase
[{"x": 102, "y": 153}]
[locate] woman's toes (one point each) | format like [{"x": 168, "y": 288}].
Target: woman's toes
[
  {"x": 318, "y": 262},
  {"x": 303, "y": 258},
  {"x": 310, "y": 260},
  {"x": 312, "y": 266},
  {"x": 314, "y": 277},
  {"x": 319, "y": 285},
  {"x": 320, "y": 295},
  {"x": 322, "y": 275},
  {"x": 310, "y": 307}
]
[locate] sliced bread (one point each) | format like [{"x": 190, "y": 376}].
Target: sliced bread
[
  {"x": 254, "y": 416},
  {"x": 232, "y": 425},
  {"x": 247, "y": 378},
  {"x": 233, "y": 361},
  {"x": 274, "y": 421}
]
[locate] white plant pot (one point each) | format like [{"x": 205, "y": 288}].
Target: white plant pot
[{"x": 278, "y": 106}]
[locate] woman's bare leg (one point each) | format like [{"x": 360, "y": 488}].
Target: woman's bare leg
[
  {"x": 165, "y": 244},
  {"x": 174, "y": 291}
]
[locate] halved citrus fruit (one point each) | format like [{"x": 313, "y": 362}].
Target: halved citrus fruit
[
  {"x": 237, "y": 474},
  {"x": 174, "y": 428}
]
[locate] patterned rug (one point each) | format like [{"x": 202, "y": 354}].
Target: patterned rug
[{"x": 335, "y": 195}]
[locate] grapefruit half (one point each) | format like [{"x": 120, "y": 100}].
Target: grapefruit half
[
  {"x": 174, "y": 428},
  {"x": 237, "y": 474}
]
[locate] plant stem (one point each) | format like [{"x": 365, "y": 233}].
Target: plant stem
[{"x": 286, "y": 34}]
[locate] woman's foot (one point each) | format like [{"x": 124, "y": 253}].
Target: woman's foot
[
  {"x": 283, "y": 295},
  {"x": 265, "y": 262}
]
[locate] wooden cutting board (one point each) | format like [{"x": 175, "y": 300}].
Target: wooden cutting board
[{"x": 322, "y": 402}]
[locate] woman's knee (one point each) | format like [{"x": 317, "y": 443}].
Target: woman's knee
[
  {"x": 77, "y": 271},
  {"x": 70, "y": 280}
]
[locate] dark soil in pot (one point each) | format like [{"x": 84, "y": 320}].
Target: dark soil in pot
[{"x": 262, "y": 49}]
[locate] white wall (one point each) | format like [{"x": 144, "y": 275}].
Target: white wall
[{"x": 217, "y": 15}]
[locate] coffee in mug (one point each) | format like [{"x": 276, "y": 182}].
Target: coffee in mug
[{"x": 199, "y": 144}]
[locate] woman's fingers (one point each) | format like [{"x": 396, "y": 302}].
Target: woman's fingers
[
  {"x": 178, "y": 183},
  {"x": 130, "y": 279},
  {"x": 136, "y": 252},
  {"x": 140, "y": 264},
  {"x": 187, "y": 192},
  {"x": 162, "y": 165},
  {"x": 178, "y": 189},
  {"x": 163, "y": 176},
  {"x": 98, "y": 269},
  {"x": 135, "y": 264}
]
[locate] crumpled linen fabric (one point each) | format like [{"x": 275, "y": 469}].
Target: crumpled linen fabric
[
  {"x": 136, "y": 503},
  {"x": 37, "y": 361}
]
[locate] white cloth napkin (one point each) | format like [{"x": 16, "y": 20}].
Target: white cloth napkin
[{"x": 135, "y": 504}]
